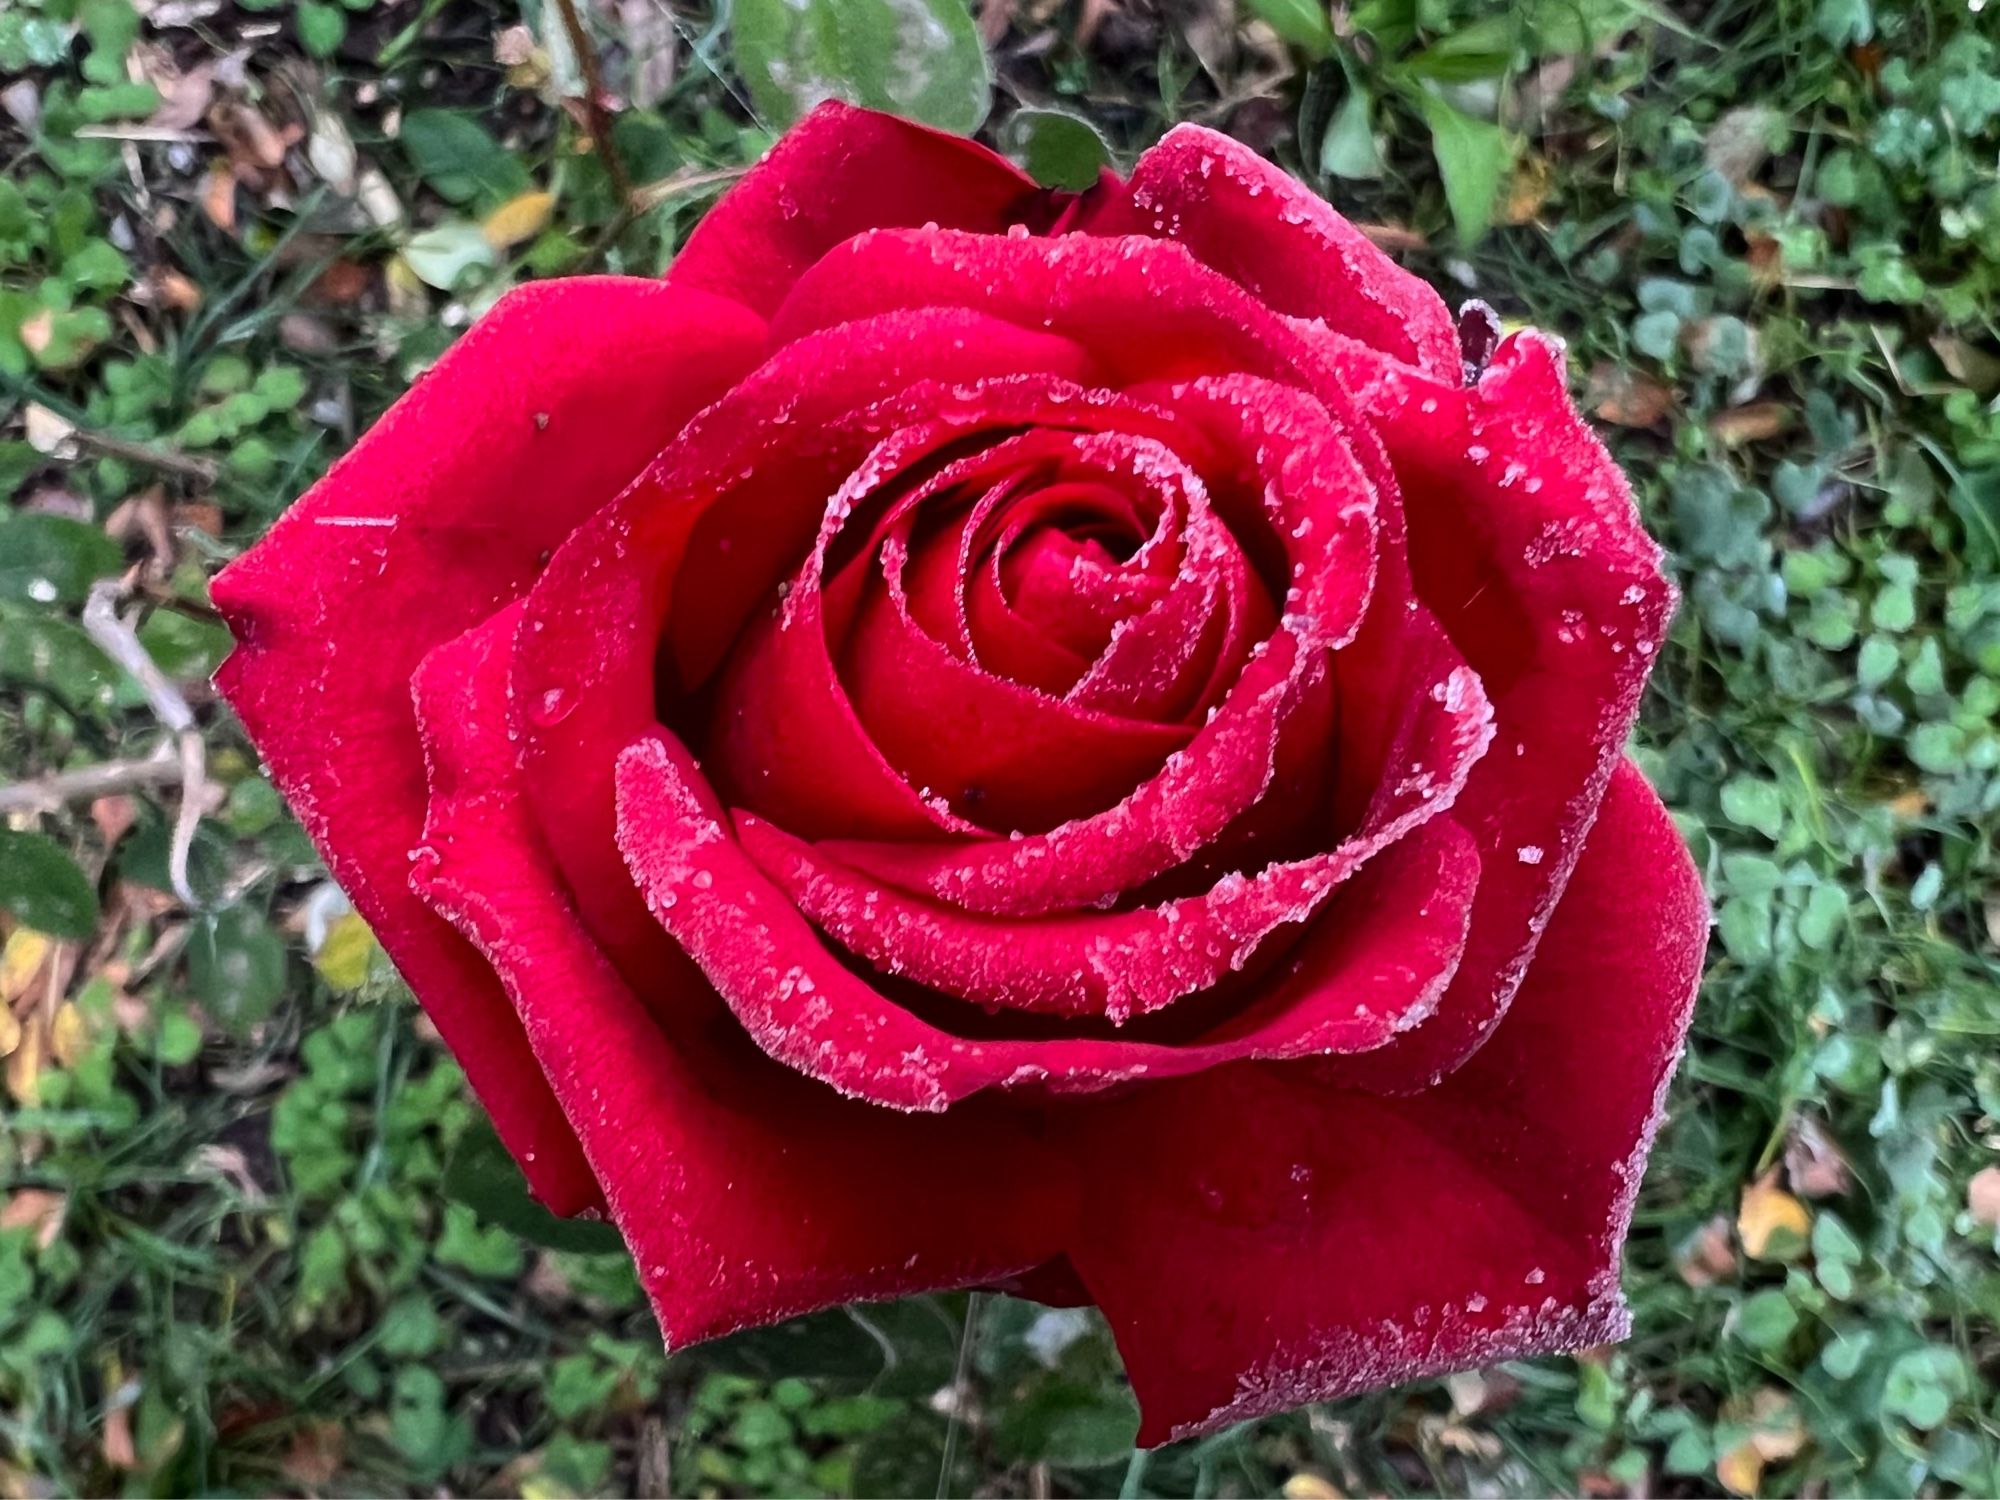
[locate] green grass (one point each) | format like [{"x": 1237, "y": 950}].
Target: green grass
[{"x": 238, "y": 1256}]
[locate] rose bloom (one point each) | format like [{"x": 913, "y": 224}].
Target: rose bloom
[{"x": 979, "y": 736}]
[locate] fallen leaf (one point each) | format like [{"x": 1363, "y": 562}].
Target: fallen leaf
[
  {"x": 218, "y": 198},
  {"x": 314, "y": 1457},
  {"x": 47, "y": 432},
  {"x": 37, "y": 1210},
  {"x": 519, "y": 218},
  {"x": 69, "y": 1037},
  {"x": 1971, "y": 366},
  {"x": 1813, "y": 1163},
  {"x": 21, "y": 961},
  {"x": 24, "y": 1063},
  {"x": 1527, "y": 189},
  {"x": 1305, "y": 1486},
  {"x": 1982, "y": 1197},
  {"x": 1627, "y": 397},
  {"x": 184, "y": 97},
  {"x": 1740, "y": 1468},
  {"x": 38, "y": 332},
  {"x": 1707, "y": 1256},
  {"x": 1771, "y": 1223},
  {"x": 1754, "y": 423}
]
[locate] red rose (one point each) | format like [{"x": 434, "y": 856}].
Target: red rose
[{"x": 977, "y": 736}]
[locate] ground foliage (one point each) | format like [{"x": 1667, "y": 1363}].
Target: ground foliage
[{"x": 254, "y": 1235}]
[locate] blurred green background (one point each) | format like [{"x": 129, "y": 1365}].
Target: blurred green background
[{"x": 253, "y": 1235}]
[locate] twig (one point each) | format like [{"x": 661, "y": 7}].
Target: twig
[
  {"x": 150, "y": 455},
  {"x": 88, "y": 783},
  {"x": 595, "y": 119},
  {"x": 651, "y": 195},
  {"x": 121, "y": 643}
]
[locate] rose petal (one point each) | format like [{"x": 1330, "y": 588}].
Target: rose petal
[
  {"x": 839, "y": 171},
  {"x": 1353, "y": 986},
  {"x": 671, "y": 553},
  {"x": 1524, "y": 539},
  {"x": 1260, "y": 1241},
  {"x": 539, "y": 415},
  {"x": 1263, "y": 229},
  {"x": 747, "y": 1193}
]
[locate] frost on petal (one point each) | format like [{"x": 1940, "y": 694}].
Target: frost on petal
[
  {"x": 1525, "y": 542},
  {"x": 837, "y": 172},
  {"x": 1260, "y": 1240},
  {"x": 442, "y": 513},
  {"x": 748, "y": 1194},
  {"x": 1267, "y": 231}
]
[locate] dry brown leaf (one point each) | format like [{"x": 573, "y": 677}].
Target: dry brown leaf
[
  {"x": 1814, "y": 1165},
  {"x": 1527, "y": 189},
  {"x": 1982, "y": 1197},
  {"x": 315, "y": 1455},
  {"x": 38, "y": 332},
  {"x": 37, "y": 1210},
  {"x": 1708, "y": 1255},
  {"x": 1975, "y": 368},
  {"x": 1627, "y": 397},
  {"x": 1772, "y": 1224},
  {"x": 218, "y": 197},
  {"x": 1754, "y": 423}
]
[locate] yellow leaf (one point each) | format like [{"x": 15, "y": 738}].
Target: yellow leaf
[
  {"x": 518, "y": 219},
  {"x": 10, "y": 1032},
  {"x": 343, "y": 958},
  {"x": 20, "y": 960},
  {"x": 1740, "y": 1468},
  {"x": 24, "y": 1065},
  {"x": 1772, "y": 1224},
  {"x": 69, "y": 1038},
  {"x": 1309, "y": 1487}
]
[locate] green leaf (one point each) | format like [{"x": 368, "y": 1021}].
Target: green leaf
[
  {"x": 1301, "y": 23},
  {"x": 921, "y": 59},
  {"x": 1056, "y": 148},
  {"x": 454, "y": 154},
  {"x": 1766, "y": 1320},
  {"x": 39, "y": 651},
  {"x": 51, "y": 559},
  {"x": 236, "y": 964},
  {"x": 42, "y": 886},
  {"x": 1348, "y": 148},
  {"x": 483, "y": 1177},
  {"x": 443, "y": 256},
  {"x": 1473, "y": 157},
  {"x": 322, "y": 28}
]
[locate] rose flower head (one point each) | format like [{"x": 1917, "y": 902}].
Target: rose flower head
[{"x": 979, "y": 736}]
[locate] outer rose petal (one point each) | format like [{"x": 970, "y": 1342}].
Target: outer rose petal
[
  {"x": 1266, "y": 231},
  {"x": 538, "y": 416},
  {"x": 747, "y": 1193},
  {"x": 1261, "y": 1241},
  {"x": 839, "y": 171},
  {"x": 1524, "y": 539}
]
